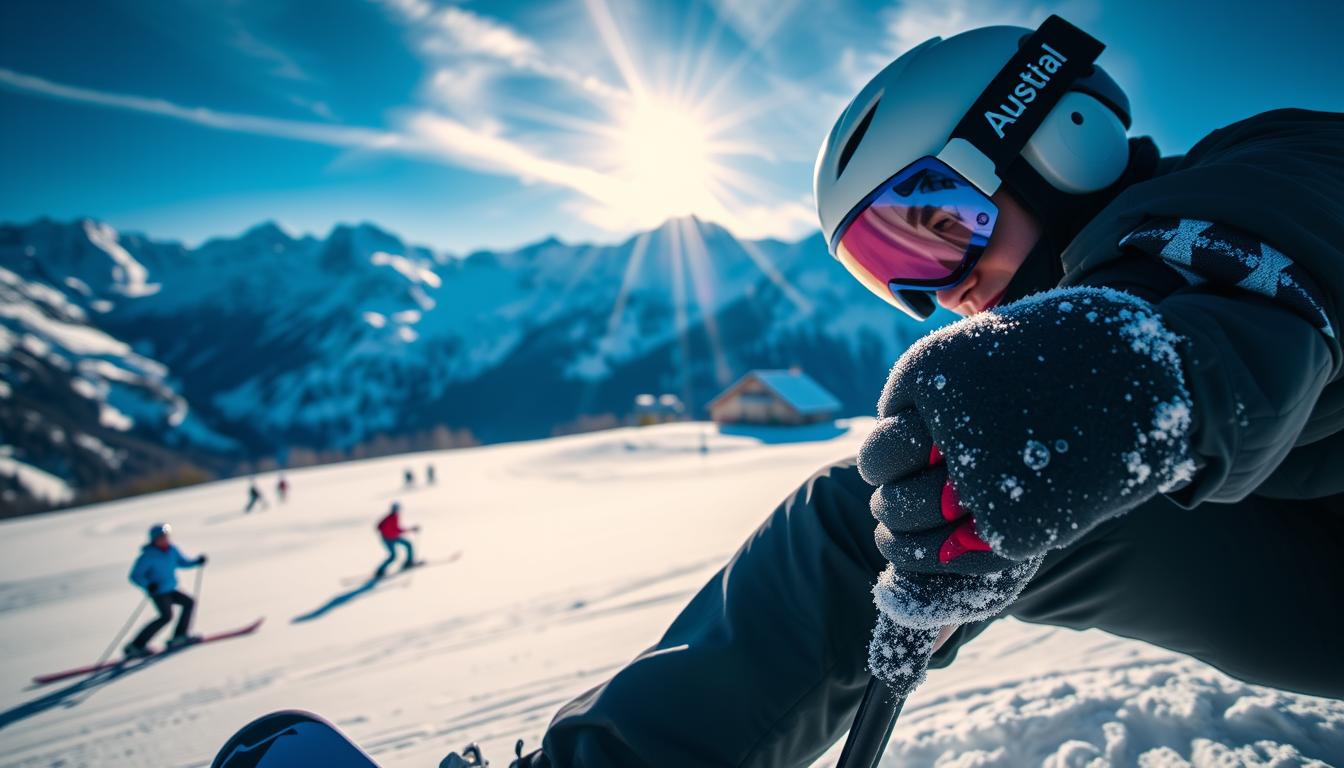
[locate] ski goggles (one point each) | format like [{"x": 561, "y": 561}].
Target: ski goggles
[{"x": 922, "y": 230}]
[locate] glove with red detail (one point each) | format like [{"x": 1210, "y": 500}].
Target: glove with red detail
[
  {"x": 940, "y": 573},
  {"x": 1050, "y": 415},
  {"x": 1007, "y": 434},
  {"x": 921, "y": 525}
]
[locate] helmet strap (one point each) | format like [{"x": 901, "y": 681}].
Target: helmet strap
[{"x": 1006, "y": 114}]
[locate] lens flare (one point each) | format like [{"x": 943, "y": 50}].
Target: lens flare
[{"x": 665, "y": 156}]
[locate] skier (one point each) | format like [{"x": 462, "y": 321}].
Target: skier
[
  {"x": 393, "y": 534},
  {"x": 155, "y": 571},
  {"x": 254, "y": 497},
  {"x": 282, "y": 489},
  {"x": 1158, "y": 425},
  {"x": 429, "y": 474},
  {"x": 408, "y": 478}
]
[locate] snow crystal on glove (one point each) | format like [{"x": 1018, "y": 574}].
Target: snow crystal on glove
[
  {"x": 935, "y": 600},
  {"x": 914, "y": 607},
  {"x": 1054, "y": 412},
  {"x": 898, "y": 656}
]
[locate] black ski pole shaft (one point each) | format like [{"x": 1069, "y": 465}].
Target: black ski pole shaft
[{"x": 872, "y": 727}]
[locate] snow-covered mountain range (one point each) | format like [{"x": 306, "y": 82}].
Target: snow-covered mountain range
[{"x": 115, "y": 347}]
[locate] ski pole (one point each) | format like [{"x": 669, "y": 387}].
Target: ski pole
[
  {"x": 200, "y": 578},
  {"x": 872, "y": 727},
  {"x": 107, "y": 654},
  {"x": 876, "y": 718}
]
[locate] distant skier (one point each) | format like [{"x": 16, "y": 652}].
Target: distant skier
[
  {"x": 254, "y": 497},
  {"x": 155, "y": 571},
  {"x": 393, "y": 535},
  {"x": 408, "y": 477},
  {"x": 429, "y": 474},
  {"x": 282, "y": 489}
]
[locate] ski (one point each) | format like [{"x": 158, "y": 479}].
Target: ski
[
  {"x": 289, "y": 738},
  {"x": 355, "y": 580},
  {"x": 93, "y": 668}
]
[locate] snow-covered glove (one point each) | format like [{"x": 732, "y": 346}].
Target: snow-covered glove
[
  {"x": 914, "y": 607},
  {"x": 1005, "y": 435},
  {"x": 940, "y": 573},
  {"x": 1051, "y": 414},
  {"x": 921, "y": 526}
]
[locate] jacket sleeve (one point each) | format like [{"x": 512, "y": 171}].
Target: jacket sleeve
[
  {"x": 140, "y": 573},
  {"x": 182, "y": 561},
  {"x": 1254, "y": 371},
  {"x": 1255, "y": 361}
]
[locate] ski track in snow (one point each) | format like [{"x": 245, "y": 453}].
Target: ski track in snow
[{"x": 576, "y": 553}]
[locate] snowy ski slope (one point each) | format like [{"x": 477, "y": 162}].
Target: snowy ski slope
[{"x": 575, "y": 553}]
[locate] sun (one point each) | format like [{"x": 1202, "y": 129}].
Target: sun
[{"x": 665, "y": 159}]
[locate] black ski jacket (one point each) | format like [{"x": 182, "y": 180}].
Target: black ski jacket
[{"x": 1265, "y": 377}]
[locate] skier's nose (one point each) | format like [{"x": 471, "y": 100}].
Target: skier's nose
[{"x": 955, "y": 297}]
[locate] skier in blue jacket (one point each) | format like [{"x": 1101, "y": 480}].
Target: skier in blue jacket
[{"x": 155, "y": 571}]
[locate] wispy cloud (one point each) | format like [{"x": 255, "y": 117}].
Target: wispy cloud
[
  {"x": 463, "y": 145},
  {"x": 464, "y": 117},
  {"x": 755, "y": 21},
  {"x": 318, "y": 107},
  {"x": 914, "y": 21},
  {"x": 462, "y": 47},
  {"x": 282, "y": 65},
  {"x": 320, "y": 133},
  {"x": 455, "y": 31},
  {"x": 911, "y": 22},
  {"x": 434, "y": 137}
]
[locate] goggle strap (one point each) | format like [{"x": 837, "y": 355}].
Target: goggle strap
[{"x": 1016, "y": 102}]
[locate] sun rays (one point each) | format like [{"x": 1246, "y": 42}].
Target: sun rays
[
  {"x": 666, "y": 152},
  {"x": 663, "y": 153}
]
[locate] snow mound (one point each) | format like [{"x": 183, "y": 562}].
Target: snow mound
[{"x": 1162, "y": 714}]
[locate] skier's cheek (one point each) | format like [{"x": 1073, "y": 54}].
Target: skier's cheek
[{"x": 1013, "y": 241}]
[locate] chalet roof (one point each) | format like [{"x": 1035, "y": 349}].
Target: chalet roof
[{"x": 796, "y": 388}]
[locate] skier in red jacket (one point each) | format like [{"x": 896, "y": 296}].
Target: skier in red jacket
[{"x": 393, "y": 534}]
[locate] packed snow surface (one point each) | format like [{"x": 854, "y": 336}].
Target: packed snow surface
[{"x": 575, "y": 554}]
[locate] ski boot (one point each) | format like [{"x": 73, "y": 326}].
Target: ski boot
[
  {"x": 133, "y": 651},
  {"x": 182, "y": 641}
]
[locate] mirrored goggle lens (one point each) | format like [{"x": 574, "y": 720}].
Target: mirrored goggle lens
[{"x": 921, "y": 229}]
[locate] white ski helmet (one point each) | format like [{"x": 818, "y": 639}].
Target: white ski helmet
[{"x": 935, "y": 101}]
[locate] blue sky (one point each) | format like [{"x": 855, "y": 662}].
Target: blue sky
[{"x": 471, "y": 124}]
